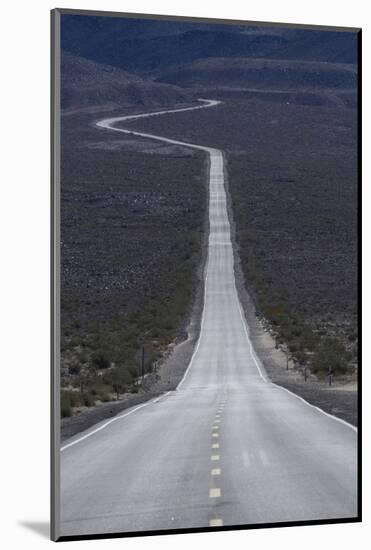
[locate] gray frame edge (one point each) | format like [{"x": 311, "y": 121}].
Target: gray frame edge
[
  {"x": 191, "y": 19},
  {"x": 55, "y": 276}
]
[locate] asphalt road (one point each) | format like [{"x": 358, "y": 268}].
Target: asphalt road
[{"x": 227, "y": 448}]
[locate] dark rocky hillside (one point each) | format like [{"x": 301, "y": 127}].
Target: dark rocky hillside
[
  {"x": 145, "y": 45},
  {"x": 263, "y": 74},
  {"x": 85, "y": 83},
  {"x": 274, "y": 80}
]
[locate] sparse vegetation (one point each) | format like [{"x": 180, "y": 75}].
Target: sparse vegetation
[
  {"x": 131, "y": 246},
  {"x": 330, "y": 357},
  {"x": 71, "y": 399}
]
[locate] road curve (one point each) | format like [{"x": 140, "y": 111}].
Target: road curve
[{"x": 228, "y": 447}]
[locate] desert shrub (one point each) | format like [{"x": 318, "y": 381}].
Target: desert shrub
[
  {"x": 296, "y": 331},
  {"x": 76, "y": 341},
  {"x": 294, "y": 347},
  {"x": 98, "y": 389},
  {"x": 100, "y": 359},
  {"x": 352, "y": 337},
  {"x": 276, "y": 314},
  {"x": 119, "y": 379},
  {"x": 65, "y": 405},
  {"x": 121, "y": 376},
  {"x": 308, "y": 338},
  {"x": 300, "y": 356},
  {"x": 74, "y": 368},
  {"x": 168, "y": 323},
  {"x": 88, "y": 399},
  {"x": 69, "y": 399},
  {"x": 83, "y": 356},
  {"x": 75, "y": 398},
  {"x": 105, "y": 397},
  {"x": 330, "y": 355},
  {"x": 133, "y": 370}
]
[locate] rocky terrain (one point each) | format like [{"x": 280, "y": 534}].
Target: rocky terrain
[
  {"x": 261, "y": 74},
  {"x": 133, "y": 219},
  {"x": 85, "y": 83},
  {"x": 144, "y": 46}
]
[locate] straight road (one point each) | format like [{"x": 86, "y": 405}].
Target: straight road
[{"x": 228, "y": 447}]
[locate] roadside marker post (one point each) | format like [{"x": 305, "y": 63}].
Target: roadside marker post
[{"x": 330, "y": 375}]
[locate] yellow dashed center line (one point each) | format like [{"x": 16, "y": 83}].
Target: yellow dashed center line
[{"x": 215, "y": 492}]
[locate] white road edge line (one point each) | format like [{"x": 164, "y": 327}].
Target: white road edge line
[
  {"x": 354, "y": 428},
  {"x": 252, "y": 351},
  {"x": 114, "y": 419},
  {"x": 199, "y": 336}
]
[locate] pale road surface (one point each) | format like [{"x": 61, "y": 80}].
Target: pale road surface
[{"x": 228, "y": 447}]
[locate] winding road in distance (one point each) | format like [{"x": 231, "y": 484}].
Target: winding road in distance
[{"x": 228, "y": 447}]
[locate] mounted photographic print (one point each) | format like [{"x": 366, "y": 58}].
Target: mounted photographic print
[{"x": 205, "y": 205}]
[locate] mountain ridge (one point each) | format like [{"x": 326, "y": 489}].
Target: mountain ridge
[{"x": 86, "y": 83}]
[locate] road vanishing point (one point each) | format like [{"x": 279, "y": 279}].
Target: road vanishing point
[{"x": 228, "y": 447}]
